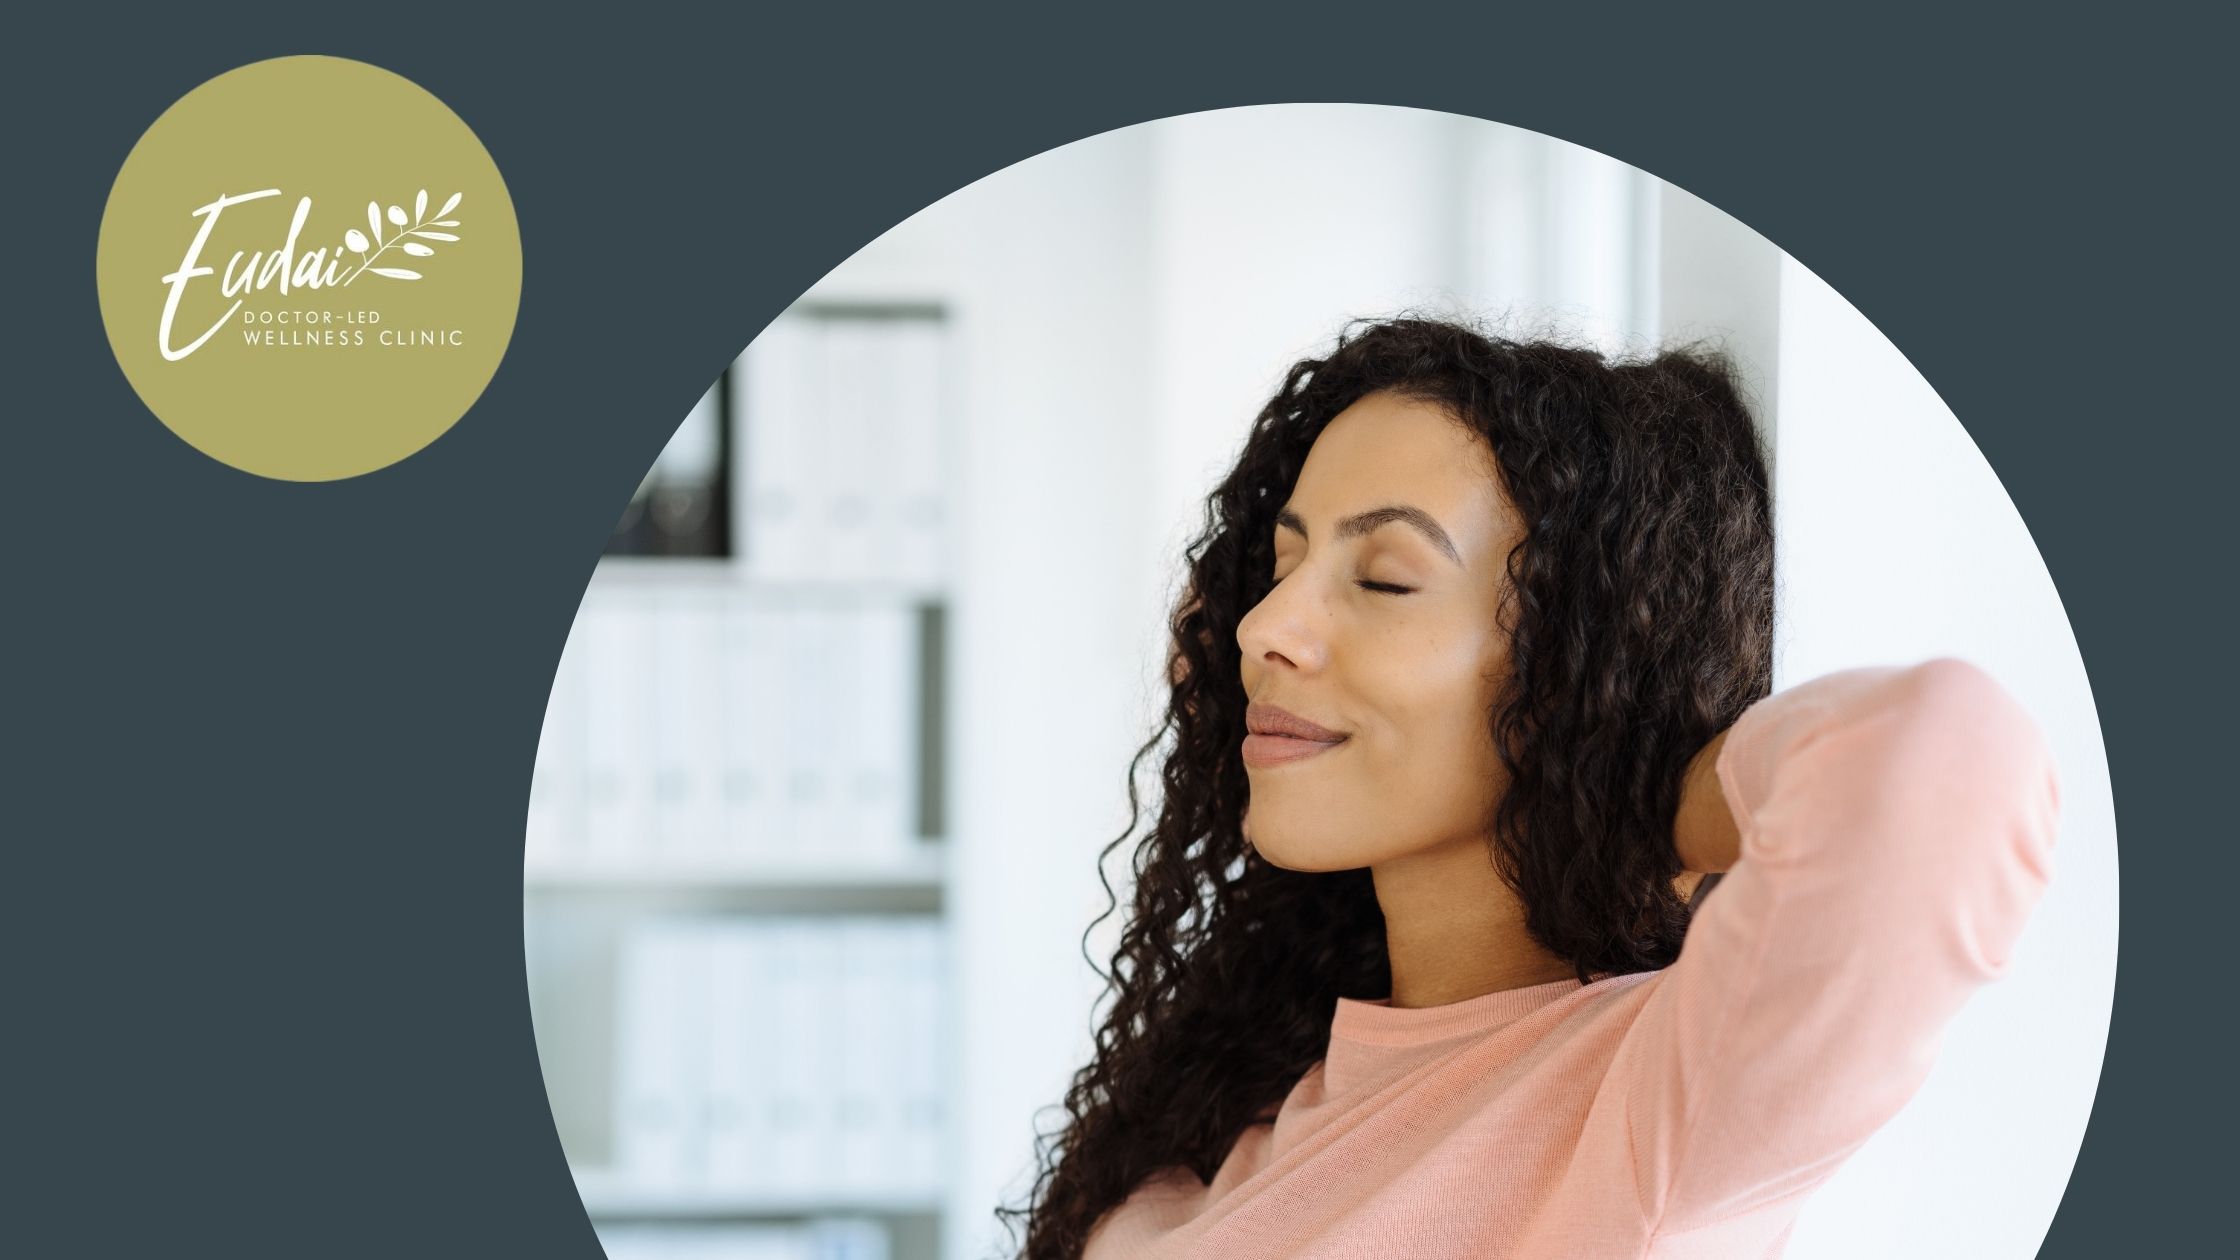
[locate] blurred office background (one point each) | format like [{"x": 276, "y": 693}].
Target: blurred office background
[{"x": 847, "y": 712}]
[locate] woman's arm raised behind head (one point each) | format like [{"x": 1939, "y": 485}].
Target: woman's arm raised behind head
[{"x": 1897, "y": 827}]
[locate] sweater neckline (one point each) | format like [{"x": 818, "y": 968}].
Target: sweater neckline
[{"x": 1378, "y": 1022}]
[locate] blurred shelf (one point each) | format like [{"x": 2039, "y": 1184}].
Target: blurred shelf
[
  {"x": 712, "y": 570},
  {"x": 728, "y": 573},
  {"x": 609, "y": 1196},
  {"x": 921, "y": 872}
]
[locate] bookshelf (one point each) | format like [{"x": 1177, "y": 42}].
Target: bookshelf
[{"x": 735, "y": 869}]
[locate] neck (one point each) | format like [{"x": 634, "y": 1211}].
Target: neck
[{"x": 1454, "y": 930}]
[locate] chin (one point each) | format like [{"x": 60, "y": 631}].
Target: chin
[
  {"x": 1303, "y": 854},
  {"x": 1310, "y": 867}
]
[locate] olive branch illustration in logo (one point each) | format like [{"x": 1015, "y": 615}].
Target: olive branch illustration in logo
[{"x": 418, "y": 226}]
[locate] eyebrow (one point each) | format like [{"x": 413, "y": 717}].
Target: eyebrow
[{"x": 1362, "y": 524}]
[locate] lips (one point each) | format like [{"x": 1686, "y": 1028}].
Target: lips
[
  {"x": 1267, "y": 719},
  {"x": 1278, "y": 736},
  {"x": 1276, "y": 750}
]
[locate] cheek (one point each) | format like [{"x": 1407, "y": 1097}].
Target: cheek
[
  {"x": 1436, "y": 689},
  {"x": 1439, "y": 740},
  {"x": 1443, "y": 755}
]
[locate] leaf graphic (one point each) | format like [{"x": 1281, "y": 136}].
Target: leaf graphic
[
  {"x": 355, "y": 239},
  {"x": 436, "y": 236},
  {"x": 445, "y": 223},
  {"x": 394, "y": 273},
  {"x": 417, "y": 250},
  {"x": 448, "y": 205},
  {"x": 373, "y": 216},
  {"x": 396, "y": 215},
  {"x": 420, "y": 206}
]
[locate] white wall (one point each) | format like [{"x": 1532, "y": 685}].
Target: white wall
[
  {"x": 1897, "y": 543},
  {"x": 1720, "y": 280},
  {"x": 1274, "y": 224},
  {"x": 1270, "y": 227},
  {"x": 1561, "y": 240}
]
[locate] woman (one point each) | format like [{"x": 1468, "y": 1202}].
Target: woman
[{"x": 1470, "y": 711}]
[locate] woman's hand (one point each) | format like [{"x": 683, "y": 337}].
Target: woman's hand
[{"x": 1703, "y": 829}]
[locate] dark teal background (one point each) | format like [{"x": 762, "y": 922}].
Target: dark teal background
[{"x": 269, "y": 744}]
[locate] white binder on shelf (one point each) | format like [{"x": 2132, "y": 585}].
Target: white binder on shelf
[
  {"x": 876, "y": 732},
  {"x": 843, "y": 696},
  {"x": 819, "y": 447},
  {"x": 688, "y": 723},
  {"x": 860, "y": 1054},
  {"x": 797, "y": 1005},
  {"x": 812, "y": 728},
  {"x": 765, "y": 1062},
  {"x": 885, "y": 780},
  {"x": 774, "y": 745},
  {"x": 819, "y": 966},
  {"x": 747, "y": 782},
  {"x": 737, "y": 1127},
  {"x": 888, "y": 1023},
  {"x": 876, "y": 476},
  {"x": 660, "y": 1055},
  {"x": 779, "y": 409},
  {"x": 926, "y": 1104},
  {"x": 618, "y": 713},
  {"x": 851, "y": 436},
  {"x": 920, "y": 490}
]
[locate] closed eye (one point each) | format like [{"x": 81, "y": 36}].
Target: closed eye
[{"x": 1381, "y": 588}]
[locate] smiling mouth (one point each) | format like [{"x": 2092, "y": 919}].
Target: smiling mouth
[{"x": 1277, "y": 750}]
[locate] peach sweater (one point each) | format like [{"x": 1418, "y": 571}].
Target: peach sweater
[{"x": 1897, "y": 830}]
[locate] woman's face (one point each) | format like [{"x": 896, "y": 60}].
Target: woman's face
[{"x": 1382, "y": 633}]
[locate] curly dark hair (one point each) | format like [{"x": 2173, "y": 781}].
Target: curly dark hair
[{"x": 1640, "y": 616}]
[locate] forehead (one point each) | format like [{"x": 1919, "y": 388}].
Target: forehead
[{"x": 1385, "y": 449}]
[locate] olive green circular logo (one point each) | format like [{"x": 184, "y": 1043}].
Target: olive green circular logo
[{"x": 309, "y": 268}]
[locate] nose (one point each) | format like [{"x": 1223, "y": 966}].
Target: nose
[{"x": 1285, "y": 625}]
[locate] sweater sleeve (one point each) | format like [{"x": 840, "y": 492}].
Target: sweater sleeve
[{"x": 1897, "y": 830}]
